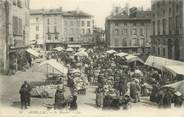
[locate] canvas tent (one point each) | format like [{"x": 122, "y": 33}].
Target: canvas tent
[
  {"x": 178, "y": 86},
  {"x": 52, "y": 65},
  {"x": 175, "y": 67},
  {"x": 33, "y": 52}
]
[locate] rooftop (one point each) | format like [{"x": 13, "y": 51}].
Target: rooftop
[{"x": 74, "y": 13}]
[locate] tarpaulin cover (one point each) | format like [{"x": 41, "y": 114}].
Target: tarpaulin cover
[
  {"x": 33, "y": 52},
  {"x": 69, "y": 50}
]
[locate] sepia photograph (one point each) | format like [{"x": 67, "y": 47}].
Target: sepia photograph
[{"x": 92, "y": 58}]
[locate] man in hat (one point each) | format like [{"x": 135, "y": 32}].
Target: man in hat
[{"x": 28, "y": 88}]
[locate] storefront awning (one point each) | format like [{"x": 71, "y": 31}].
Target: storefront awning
[
  {"x": 175, "y": 69},
  {"x": 33, "y": 52}
]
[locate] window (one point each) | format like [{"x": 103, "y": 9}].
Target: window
[
  {"x": 37, "y": 28},
  {"x": 170, "y": 25},
  {"x": 19, "y": 3},
  {"x": 134, "y": 32},
  {"x": 83, "y": 23},
  {"x": 36, "y": 36},
  {"x": 17, "y": 26},
  {"x": 116, "y": 32},
  {"x": 55, "y": 29},
  {"x": 83, "y": 31},
  {"x": 164, "y": 26},
  {"x": 88, "y": 23},
  {"x": 56, "y": 37},
  {"x": 158, "y": 27},
  {"x": 125, "y": 31},
  {"x": 48, "y": 29},
  {"x": 124, "y": 42},
  {"x": 49, "y": 37},
  {"x": 134, "y": 24},
  {"x": 125, "y": 24},
  {"x": 116, "y": 24},
  {"x": 142, "y": 24},
  {"x": 153, "y": 28},
  {"x": 158, "y": 51},
  {"x": 48, "y": 21},
  {"x": 37, "y": 19},
  {"x": 89, "y": 31},
  {"x": 164, "y": 52},
  {"x": 71, "y": 39},
  {"x": 141, "y": 32},
  {"x": 141, "y": 42}
]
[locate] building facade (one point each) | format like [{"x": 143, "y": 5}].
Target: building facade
[
  {"x": 61, "y": 28},
  {"x": 14, "y": 31},
  {"x": 129, "y": 32},
  {"x": 167, "y": 38}
]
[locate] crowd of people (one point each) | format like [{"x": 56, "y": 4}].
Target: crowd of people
[{"x": 118, "y": 82}]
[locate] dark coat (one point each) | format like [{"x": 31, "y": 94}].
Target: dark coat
[
  {"x": 24, "y": 94},
  {"x": 73, "y": 104}
]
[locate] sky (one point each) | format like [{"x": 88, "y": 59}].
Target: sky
[{"x": 100, "y": 9}]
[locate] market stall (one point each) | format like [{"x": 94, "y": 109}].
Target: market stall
[{"x": 33, "y": 52}]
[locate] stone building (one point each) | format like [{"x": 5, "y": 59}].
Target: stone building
[
  {"x": 61, "y": 28},
  {"x": 129, "y": 32},
  {"x": 14, "y": 32},
  {"x": 168, "y": 29}
]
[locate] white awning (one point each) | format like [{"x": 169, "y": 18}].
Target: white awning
[
  {"x": 122, "y": 54},
  {"x": 82, "y": 54},
  {"x": 175, "y": 69},
  {"x": 111, "y": 51},
  {"x": 74, "y": 46},
  {"x": 161, "y": 63},
  {"x": 53, "y": 65},
  {"x": 69, "y": 50},
  {"x": 33, "y": 52},
  {"x": 132, "y": 58},
  {"x": 58, "y": 48}
]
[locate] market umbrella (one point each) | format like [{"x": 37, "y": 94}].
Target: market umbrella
[
  {"x": 122, "y": 54},
  {"x": 33, "y": 52},
  {"x": 110, "y": 51},
  {"x": 82, "y": 49},
  {"x": 69, "y": 50},
  {"x": 81, "y": 54},
  {"x": 58, "y": 49}
]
